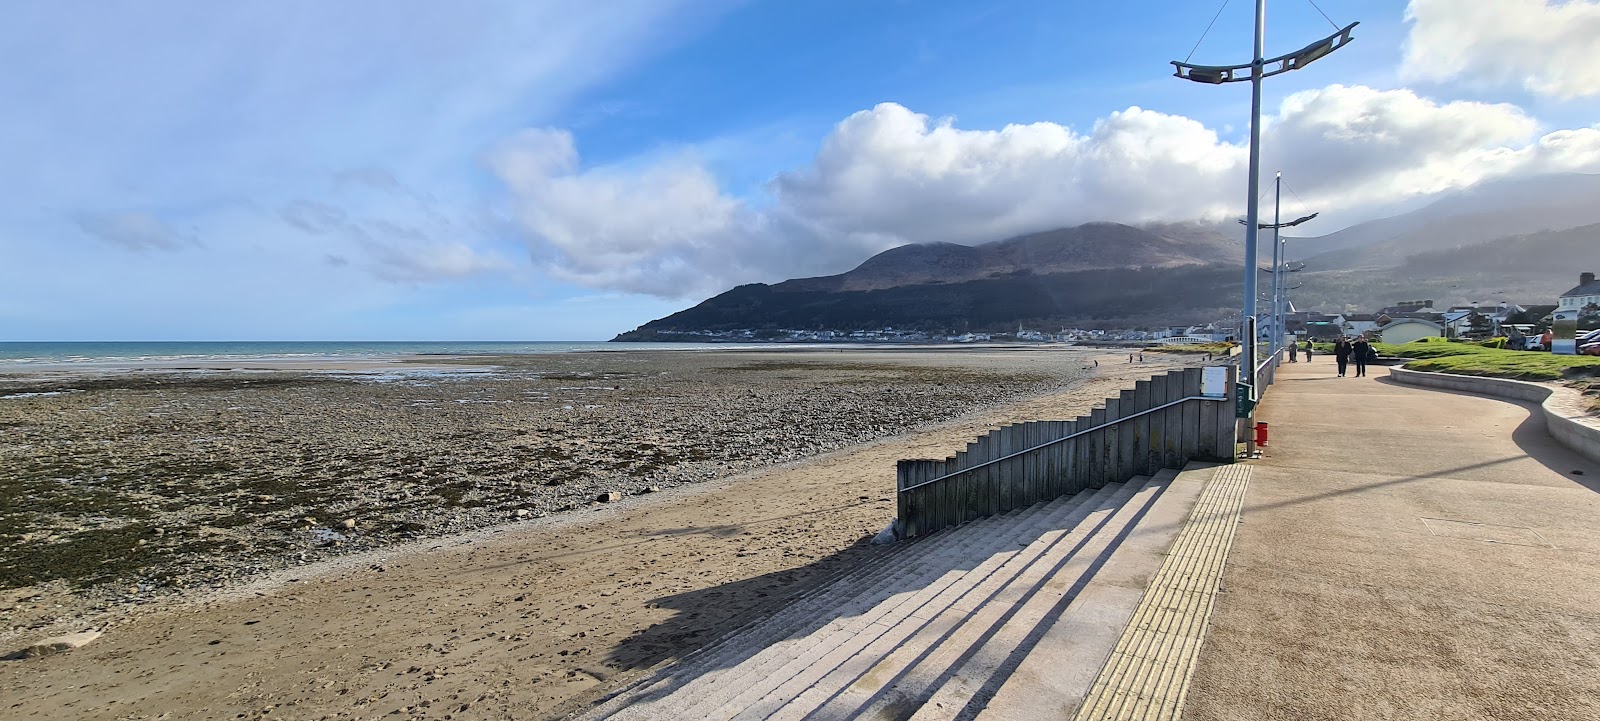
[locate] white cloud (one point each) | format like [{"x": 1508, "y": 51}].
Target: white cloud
[
  {"x": 889, "y": 176},
  {"x": 666, "y": 229},
  {"x": 394, "y": 233},
  {"x": 1547, "y": 47},
  {"x": 1356, "y": 145},
  {"x": 135, "y": 230}
]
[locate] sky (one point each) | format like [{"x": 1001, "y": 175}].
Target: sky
[{"x": 551, "y": 170}]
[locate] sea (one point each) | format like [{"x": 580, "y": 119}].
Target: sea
[{"x": 120, "y": 352}]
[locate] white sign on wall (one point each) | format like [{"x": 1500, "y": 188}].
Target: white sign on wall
[{"x": 1214, "y": 382}]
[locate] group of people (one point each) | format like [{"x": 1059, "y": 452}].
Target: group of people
[{"x": 1345, "y": 352}]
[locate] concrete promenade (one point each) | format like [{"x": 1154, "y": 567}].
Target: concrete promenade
[{"x": 1406, "y": 553}]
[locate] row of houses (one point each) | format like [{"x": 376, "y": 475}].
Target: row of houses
[{"x": 1411, "y": 320}]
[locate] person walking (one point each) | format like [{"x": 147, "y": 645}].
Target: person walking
[
  {"x": 1361, "y": 352},
  {"x": 1294, "y": 352},
  {"x": 1308, "y": 350},
  {"x": 1341, "y": 354}
]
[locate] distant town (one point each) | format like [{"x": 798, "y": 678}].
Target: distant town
[{"x": 1399, "y": 323}]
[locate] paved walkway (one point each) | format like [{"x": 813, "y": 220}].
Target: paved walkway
[{"x": 1406, "y": 554}]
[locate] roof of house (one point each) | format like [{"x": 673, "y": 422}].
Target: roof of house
[
  {"x": 1408, "y": 311},
  {"x": 1360, "y": 317},
  {"x": 1408, "y": 321},
  {"x": 1590, "y": 288}
]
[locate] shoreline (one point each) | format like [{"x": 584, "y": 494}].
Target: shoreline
[
  {"x": 550, "y": 437},
  {"x": 526, "y": 620},
  {"x": 17, "y": 370}
]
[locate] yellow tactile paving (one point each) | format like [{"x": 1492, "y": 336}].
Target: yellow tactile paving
[{"x": 1147, "y": 675}]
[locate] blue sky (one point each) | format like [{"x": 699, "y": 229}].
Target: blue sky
[{"x": 550, "y": 170}]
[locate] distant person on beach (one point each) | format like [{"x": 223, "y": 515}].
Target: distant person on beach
[
  {"x": 1361, "y": 350},
  {"x": 1341, "y": 354}
]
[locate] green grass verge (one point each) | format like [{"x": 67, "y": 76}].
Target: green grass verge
[{"x": 1474, "y": 359}]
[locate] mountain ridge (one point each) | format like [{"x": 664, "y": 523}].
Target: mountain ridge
[{"x": 1470, "y": 247}]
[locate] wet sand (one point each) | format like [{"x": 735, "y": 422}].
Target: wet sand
[{"x": 774, "y": 469}]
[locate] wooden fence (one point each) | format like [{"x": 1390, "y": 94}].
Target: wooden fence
[{"x": 1163, "y": 422}]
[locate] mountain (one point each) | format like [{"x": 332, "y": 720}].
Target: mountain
[
  {"x": 1521, "y": 242},
  {"x": 1104, "y": 273},
  {"x": 1118, "y": 297},
  {"x": 1484, "y": 212},
  {"x": 1091, "y": 246}
]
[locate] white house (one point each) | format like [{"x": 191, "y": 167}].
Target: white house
[
  {"x": 1405, "y": 330},
  {"x": 1359, "y": 323},
  {"x": 1585, "y": 294}
]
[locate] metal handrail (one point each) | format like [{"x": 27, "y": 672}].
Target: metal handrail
[
  {"x": 1270, "y": 358},
  {"x": 1067, "y": 437}
]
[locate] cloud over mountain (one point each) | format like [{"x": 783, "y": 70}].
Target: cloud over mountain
[{"x": 888, "y": 176}]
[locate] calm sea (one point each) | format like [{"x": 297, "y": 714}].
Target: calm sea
[{"x": 117, "y": 352}]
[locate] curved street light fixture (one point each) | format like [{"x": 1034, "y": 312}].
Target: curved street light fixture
[
  {"x": 1259, "y": 68},
  {"x": 1219, "y": 74}
]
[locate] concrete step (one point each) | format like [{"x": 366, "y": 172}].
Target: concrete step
[
  {"x": 940, "y": 618},
  {"x": 810, "y": 611},
  {"x": 868, "y": 608},
  {"x": 848, "y": 651},
  {"x": 1071, "y": 653},
  {"x": 976, "y": 645}
]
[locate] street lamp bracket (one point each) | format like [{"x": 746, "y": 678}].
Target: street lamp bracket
[{"x": 1219, "y": 74}]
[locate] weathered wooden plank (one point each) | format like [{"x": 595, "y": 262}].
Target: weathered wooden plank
[
  {"x": 1191, "y": 416},
  {"x": 1024, "y": 464},
  {"x": 1084, "y": 459},
  {"x": 903, "y": 505},
  {"x": 1111, "y": 441},
  {"x": 1036, "y": 465},
  {"x": 1226, "y": 446},
  {"x": 1061, "y": 458},
  {"x": 1173, "y": 444},
  {"x": 1158, "y": 424},
  {"x": 1141, "y": 429},
  {"x": 1097, "y": 440},
  {"x": 1127, "y": 466},
  {"x": 1206, "y": 428},
  {"x": 1008, "y": 475}
]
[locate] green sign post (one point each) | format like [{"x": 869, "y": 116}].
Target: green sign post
[{"x": 1244, "y": 400}]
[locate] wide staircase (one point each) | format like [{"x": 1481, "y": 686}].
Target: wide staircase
[{"x": 934, "y": 628}]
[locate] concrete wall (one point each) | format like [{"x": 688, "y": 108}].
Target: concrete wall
[
  {"x": 1560, "y": 407},
  {"x": 1407, "y": 332}
]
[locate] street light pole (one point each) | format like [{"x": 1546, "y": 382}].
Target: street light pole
[
  {"x": 1259, "y": 69},
  {"x": 1253, "y": 208},
  {"x": 1277, "y": 265}
]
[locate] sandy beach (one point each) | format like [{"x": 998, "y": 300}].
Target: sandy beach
[{"x": 198, "y": 519}]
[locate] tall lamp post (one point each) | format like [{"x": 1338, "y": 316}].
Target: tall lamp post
[
  {"x": 1278, "y": 262},
  {"x": 1259, "y": 68}
]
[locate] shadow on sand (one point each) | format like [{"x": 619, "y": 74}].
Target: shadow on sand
[{"x": 756, "y": 613}]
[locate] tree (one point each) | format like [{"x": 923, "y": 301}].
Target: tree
[
  {"x": 1478, "y": 325},
  {"x": 1589, "y": 316}
]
